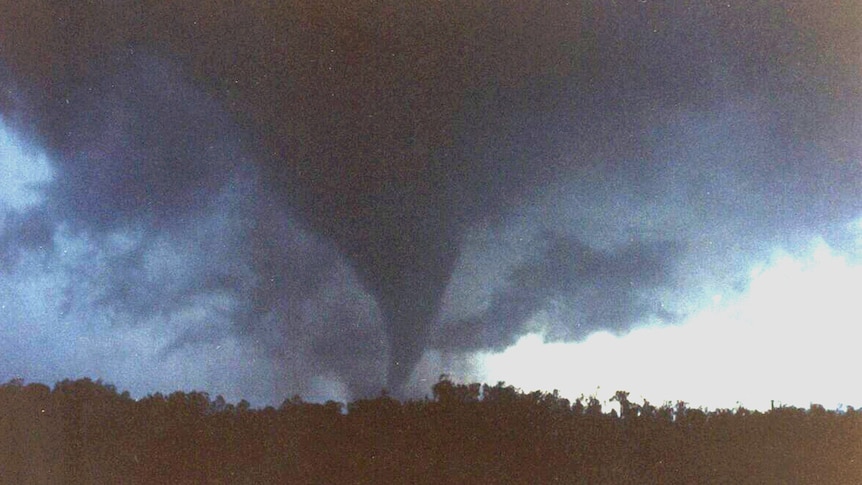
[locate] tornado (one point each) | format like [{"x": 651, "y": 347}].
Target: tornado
[{"x": 391, "y": 129}]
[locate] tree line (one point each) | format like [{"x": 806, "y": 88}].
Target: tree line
[{"x": 85, "y": 431}]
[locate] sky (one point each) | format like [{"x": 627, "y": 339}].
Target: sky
[{"x": 262, "y": 199}]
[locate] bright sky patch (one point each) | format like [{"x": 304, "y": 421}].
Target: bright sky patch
[
  {"x": 23, "y": 172},
  {"x": 791, "y": 338}
]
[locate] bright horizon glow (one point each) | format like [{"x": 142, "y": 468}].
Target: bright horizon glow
[{"x": 791, "y": 338}]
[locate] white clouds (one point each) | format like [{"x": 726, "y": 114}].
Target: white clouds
[
  {"x": 791, "y": 338},
  {"x": 23, "y": 172}
]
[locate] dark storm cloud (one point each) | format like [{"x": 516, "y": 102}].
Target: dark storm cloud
[
  {"x": 391, "y": 130},
  {"x": 23, "y": 231},
  {"x": 142, "y": 160},
  {"x": 599, "y": 289},
  {"x": 155, "y": 181},
  {"x": 140, "y": 145}
]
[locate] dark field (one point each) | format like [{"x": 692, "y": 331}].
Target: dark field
[{"x": 86, "y": 432}]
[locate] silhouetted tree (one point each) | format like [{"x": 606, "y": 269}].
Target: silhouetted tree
[{"x": 85, "y": 432}]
